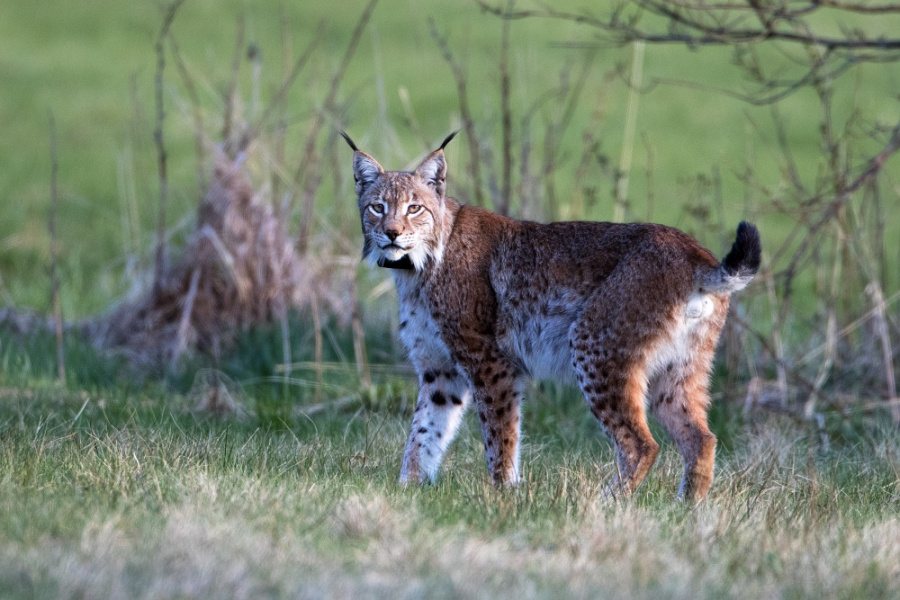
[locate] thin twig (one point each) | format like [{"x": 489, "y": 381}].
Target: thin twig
[
  {"x": 199, "y": 149},
  {"x": 277, "y": 102},
  {"x": 464, "y": 112},
  {"x": 159, "y": 140},
  {"x": 230, "y": 147},
  {"x": 308, "y": 169},
  {"x": 873, "y": 167},
  {"x": 317, "y": 344},
  {"x": 505, "y": 118}
]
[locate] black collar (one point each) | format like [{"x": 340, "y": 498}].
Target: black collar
[{"x": 403, "y": 263}]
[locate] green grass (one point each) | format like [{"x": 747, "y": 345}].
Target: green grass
[{"x": 129, "y": 494}]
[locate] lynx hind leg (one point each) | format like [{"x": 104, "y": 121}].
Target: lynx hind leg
[
  {"x": 679, "y": 398},
  {"x": 611, "y": 344},
  {"x": 443, "y": 398},
  {"x": 611, "y": 377},
  {"x": 680, "y": 403}
]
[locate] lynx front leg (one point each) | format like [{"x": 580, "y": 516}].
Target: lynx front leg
[
  {"x": 498, "y": 398},
  {"x": 443, "y": 398}
]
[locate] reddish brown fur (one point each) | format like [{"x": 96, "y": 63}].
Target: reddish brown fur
[{"x": 628, "y": 312}]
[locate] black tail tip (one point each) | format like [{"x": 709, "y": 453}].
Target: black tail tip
[{"x": 745, "y": 255}]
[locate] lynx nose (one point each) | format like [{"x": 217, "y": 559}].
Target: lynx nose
[{"x": 392, "y": 234}]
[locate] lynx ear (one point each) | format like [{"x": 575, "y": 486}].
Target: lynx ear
[
  {"x": 366, "y": 169},
  {"x": 434, "y": 168}
]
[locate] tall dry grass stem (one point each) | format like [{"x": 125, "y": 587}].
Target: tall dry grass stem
[
  {"x": 54, "y": 252},
  {"x": 631, "y": 112}
]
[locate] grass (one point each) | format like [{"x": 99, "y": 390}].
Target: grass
[
  {"x": 118, "y": 488},
  {"x": 129, "y": 494}
]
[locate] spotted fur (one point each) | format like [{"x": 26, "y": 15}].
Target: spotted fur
[{"x": 630, "y": 313}]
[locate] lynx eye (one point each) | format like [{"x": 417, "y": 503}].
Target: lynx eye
[
  {"x": 414, "y": 209},
  {"x": 376, "y": 209}
]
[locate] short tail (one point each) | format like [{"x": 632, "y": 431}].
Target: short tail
[{"x": 739, "y": 265}]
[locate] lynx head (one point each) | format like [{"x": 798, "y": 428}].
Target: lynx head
[{"x": 402, "y": 212}]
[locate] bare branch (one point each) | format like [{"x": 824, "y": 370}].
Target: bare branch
[
  {"x": 308, "y": 168},
  {"x": 703, "y": 24},
  {"x": 463, "y": 98},
  {"x": 159, "y": 140},
  {"x": 873, "y": 167}
]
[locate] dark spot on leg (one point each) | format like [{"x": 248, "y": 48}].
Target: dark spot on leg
[
  {"x": 429, "y": 377},
  {"x": 456, "y": 400},
  {"x": 439, "y": 398},
  {"x": 500, "y": 412},
  {"x": 403, "y": 324},
  {"x": 488, "y": 399},
  {"x": 439, "y": 435},
  {"x": 423, "y": 430}
]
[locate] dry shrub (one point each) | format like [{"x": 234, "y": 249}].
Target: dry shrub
[{"x": 239, "y": 268}]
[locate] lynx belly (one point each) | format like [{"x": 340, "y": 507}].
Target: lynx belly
[{"x": 540, "y": 342}]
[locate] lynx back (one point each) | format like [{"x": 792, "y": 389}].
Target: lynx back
[{"x": 629, "y": 313}]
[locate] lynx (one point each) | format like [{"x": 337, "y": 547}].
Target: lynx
[{"x": 630, "y": 313}]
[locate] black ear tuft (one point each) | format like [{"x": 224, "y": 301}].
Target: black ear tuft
[
  {"x": 349, "y": 141},
  {"x": 366, "y": 169},
  {"x": 447, "y": 139}
]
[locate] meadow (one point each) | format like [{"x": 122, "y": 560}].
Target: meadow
[{"x": 125, "y": 481}]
